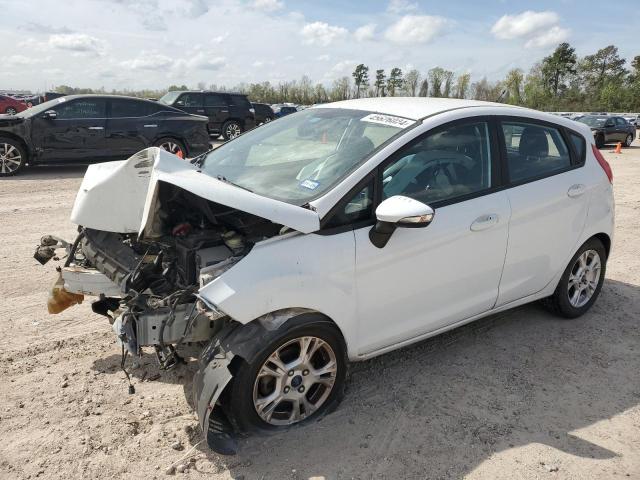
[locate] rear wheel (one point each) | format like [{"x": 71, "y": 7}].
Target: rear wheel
[
  {"x": 628, "y": 141},
  {"x": 581, "y": 281},
  {"x": 11, "y": 111},
  {"x": 12, "y": 157},
  {"x": 298, "y": 376},
  {"x": 172, "y": 145},
  {"x": 231, "y": 129}
]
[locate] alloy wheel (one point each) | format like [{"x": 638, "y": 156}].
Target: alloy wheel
[
  {"x": 10, "y": 158},
  {"x": 233, "y": 130},
  {"x": 11, "y": 111},
  {"x": 584, "y": 278},
  {"x": 629, "y": 140},
  {"x": 295, "y": 381},
  {"x": 171, "y": 147}
]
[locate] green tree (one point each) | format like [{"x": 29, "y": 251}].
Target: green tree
[
  {"x": 436, "y": 79},
  {"x": 411, "y": 81},
  {"x": 557, "y": 67},
  {"x": 462, "y": 85},
  {"x": 360, "y": 78},
  {"x": 380, "y": 82},
  {"x": 394, "y": 81},
  {"x": 424, "y": 88},
  {"x": 448, "y": 84},
  {"x": 513, "y": 84}
]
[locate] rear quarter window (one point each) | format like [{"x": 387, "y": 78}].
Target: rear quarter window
[{"x": 579, "y": 146}]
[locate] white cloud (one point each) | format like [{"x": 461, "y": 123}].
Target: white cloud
[
  {"x": 21, "y": 60},
  {"x": 149, "y": 61},
  {"x": 320, "y": 33},
  {"x": 267, "y": 5},
  {"x": 341, "y": 69},
  {"x": 401, "y": 6},
  {"x": 540, "y": 29},
  {"x": 77, "y": 42},
  {"x": 205, "y": 61},
  {"x": 412, "y": 29},
  {"x": 323, "y": 58},
  {"x": 365, "y": 32}
]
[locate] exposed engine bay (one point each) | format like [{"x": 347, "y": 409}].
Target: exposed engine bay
[{"x": 152, "y": 282}]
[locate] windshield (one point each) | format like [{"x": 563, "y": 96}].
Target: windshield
[
  {"x": 298, "y": 157},
  {"x": 593, "y": 121},
  {"x": 169, "y": 98}
]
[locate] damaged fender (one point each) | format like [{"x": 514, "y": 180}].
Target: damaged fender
[{"x": 216, "y": 371}]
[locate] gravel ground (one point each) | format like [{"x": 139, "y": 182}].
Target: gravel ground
[{"x": 517, "y": 395}]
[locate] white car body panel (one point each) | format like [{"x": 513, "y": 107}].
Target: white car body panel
[
  {"x": 129, "y": 189},
  {"x": 427, "y": 278}
]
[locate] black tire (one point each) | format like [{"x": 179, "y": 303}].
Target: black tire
[
  {"x": 559, "y": 302},
  {"x": 268, "y": 119},
  {"x": 11, "y": 111},
  {"x": 628, "y": 141},
  {"x": 239, "y": 407},
  {"x": 600, "y": 141},
  {"x": 11, "y": 151},
  {"x": 231, "y": 129},
  {"x": 171, "y": 145}
]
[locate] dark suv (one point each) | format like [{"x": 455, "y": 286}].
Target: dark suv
[{"x": 229, "y": 114}]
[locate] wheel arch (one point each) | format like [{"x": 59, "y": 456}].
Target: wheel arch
[
  {"x": 605, "y": 239},
  {"x": 20, "y": 140},
  {"x": 173, "y": 136}
]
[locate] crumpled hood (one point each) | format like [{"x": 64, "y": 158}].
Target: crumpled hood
[{"x": 122, "y": 196}]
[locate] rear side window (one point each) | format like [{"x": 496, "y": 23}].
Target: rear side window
[
  {"x": 579, "y": 145},
  {"x": 534, "y": 150},
  {"x": 239, "y": 101},
  {"x": 131, "y": 109},
  {"x": 84, "y": 108},
  {"x": 214, "y": 100}
]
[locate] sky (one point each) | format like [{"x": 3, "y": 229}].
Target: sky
[{"x": 139, "y": 44}]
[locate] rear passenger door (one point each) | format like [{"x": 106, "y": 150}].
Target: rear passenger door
[
  {"x": 548, "y": 193},
  {"x": 129, "y": 127},
  {"x": 217, "y": 109}
]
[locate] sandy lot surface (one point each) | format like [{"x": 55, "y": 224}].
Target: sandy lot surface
[{"x": 518, "y": 395}]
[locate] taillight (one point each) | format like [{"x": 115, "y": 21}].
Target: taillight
[{"x": 603, "y": 163}]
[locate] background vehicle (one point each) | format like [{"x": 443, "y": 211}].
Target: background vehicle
[
  {"x": 87, "y": 128},
  {"x": 293, "y": 246},
  {"x": 229, "y": 114},
  {"x": 609, "y": 129},
  {"x": 283, "y": 110},
  {"x": 10, "y": 105},
  {"x": 264, "y": 113}
]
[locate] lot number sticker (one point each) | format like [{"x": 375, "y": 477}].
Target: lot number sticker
[{"x": 389, "y": 120}]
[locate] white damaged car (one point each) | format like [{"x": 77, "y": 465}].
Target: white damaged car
[{"x": 332, "y": 235}]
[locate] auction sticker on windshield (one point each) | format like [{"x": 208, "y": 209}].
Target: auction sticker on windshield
[{"x": 389, "y": 120}]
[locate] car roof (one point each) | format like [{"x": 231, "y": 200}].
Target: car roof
[{"x": 414, "y": 108}]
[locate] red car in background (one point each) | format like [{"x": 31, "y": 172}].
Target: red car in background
[{"x": 10, "y": 105}]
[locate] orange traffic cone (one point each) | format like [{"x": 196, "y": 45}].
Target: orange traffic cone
[{"x": 618, "y": 148}]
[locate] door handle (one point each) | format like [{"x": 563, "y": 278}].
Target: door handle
[
  {"x": 151, "y": 126},
  {"x": 224, "y": 111},
  {"x": 484, "y": 221},
  {"x": 576, "y": 190},
  {"x": 96, "y": 128}
]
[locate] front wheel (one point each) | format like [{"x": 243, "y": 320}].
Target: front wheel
[
  {"x": 600, "y": 141},
  {"x": 628, "y": 141},
  {"x": 11, "y": 111},
  {"x": 581, "y": 281},
  {"x": 12, "y": 157},
  {"x": 231, "y": 129},
  {"x": 298, "y": 376},
  {"x": 172, "y": 145}
]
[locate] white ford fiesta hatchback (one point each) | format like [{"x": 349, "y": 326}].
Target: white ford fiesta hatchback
[{"x": 337, "y": 233}]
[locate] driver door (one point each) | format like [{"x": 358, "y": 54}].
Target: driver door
[{"x": 426, "y": 279}]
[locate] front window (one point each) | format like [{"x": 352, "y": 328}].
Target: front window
[{"x": 303, "y": 155}]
